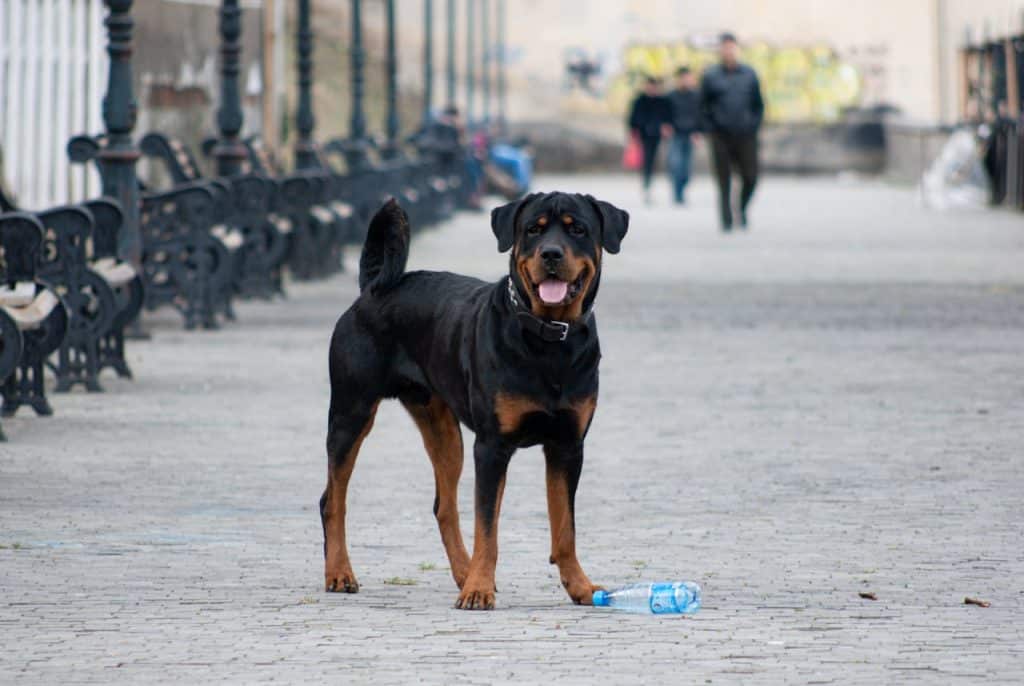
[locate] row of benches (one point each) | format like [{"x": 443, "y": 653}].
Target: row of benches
[{"x": 67, "y": 297}]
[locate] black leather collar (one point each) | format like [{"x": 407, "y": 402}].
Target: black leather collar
[{"x": 552, "y": 331}]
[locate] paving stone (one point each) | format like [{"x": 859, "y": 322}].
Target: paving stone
[{"x": 831, "y": 403}]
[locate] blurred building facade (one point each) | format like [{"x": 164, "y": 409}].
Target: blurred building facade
[
  {"x": 818, "y": 55},
  {"x": 572, "y": 68}
]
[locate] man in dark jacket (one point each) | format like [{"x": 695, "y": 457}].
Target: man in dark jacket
[
  {"x": 650, "y": 118},
  {"x": 732, "y": 111},
  {"x": 685, "y": 101}
]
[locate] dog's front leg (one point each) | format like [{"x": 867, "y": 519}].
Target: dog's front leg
[
  {"x": 564, "y": 464},
  {"x": 491, "y": 463}
]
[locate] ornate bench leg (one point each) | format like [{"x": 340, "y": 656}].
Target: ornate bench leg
[
  {"x": 111, "y": 351},
  {"x": 207, "y": 286},
  {"x": 193, "y": 299},
  {"x": 26, "y": 386},
  {"x": 36, "y": 396},
  {"x": 11, "y": 346},
  {"x": 78, "y": 364},
  {"x": 93, "y": 306},
  {"x": 129, "y": 298}
]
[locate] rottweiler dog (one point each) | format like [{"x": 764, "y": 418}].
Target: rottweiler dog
[{"x": 515, "y": 361}]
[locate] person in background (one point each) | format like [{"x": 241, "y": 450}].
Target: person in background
[
  {"x": 650, "y": 119},
  {"x": 685, "y": 102},
  {"x": 732, "y": 111},
  {"x": 449, "y": 130},
  {"x": 446, "y": 135}
]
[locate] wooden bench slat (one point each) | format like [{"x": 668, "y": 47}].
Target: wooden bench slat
[
  {"x": 35, "y": 313},
  {"x": 282, "y": 224},
  {"x": 231, "y": 238},
  {"x": 342, "y": 209},
  {"x": 321, "y": 214},
  {"x": 21, "y": 295},
  {"x": 115, "y": 274}
]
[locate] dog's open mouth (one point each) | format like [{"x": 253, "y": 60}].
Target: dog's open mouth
[{"x": 554, "y": 291}]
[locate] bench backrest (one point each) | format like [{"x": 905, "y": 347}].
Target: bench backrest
[
  {"x": 175, "y": 156},
  {"x": 261, "y": 158},
  {"x": 66, "y": 231},
  {"x": 21, "y": 236},
  {"x": 108, "y": 218},
  {"x": 173, "y": 214}
]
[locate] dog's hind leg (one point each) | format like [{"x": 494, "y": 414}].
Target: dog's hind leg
[
  {"x": 442, "y": 438},
  {"x": 345, "y": 433}
]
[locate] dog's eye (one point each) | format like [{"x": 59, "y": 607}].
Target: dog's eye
[
  {"x": 577, "y": 229},
  {"x": 533, "y": 230}
]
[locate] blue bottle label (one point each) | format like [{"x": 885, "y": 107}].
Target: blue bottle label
[{"x": 663, "y": 599}]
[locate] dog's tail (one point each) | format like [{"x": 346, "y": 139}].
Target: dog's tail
[{"x": 386, "y": 249}]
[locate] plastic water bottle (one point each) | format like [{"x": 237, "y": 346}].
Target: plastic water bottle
[{"x": 681, "y": 597}]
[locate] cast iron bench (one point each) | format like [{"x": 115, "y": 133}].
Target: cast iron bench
[
  {"x": 315, "y": 201},
  {"x": 183, "y": 264},
  {"x": 78, "y": 259},
  {"x": 254, "y": 210},
  {"x": 34, "y": 320}
]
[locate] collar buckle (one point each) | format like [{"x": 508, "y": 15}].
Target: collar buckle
[{"x": 548, "y": 330}]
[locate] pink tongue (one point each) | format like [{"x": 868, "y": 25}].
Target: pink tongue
[{"x": 553, "y": 291}]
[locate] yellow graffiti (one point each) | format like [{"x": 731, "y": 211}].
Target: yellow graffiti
[{"x": 799, "y": 84}]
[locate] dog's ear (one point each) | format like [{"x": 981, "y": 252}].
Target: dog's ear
[
  {"x": 614, "y": 224},
  {"x": 503, "y": 221}
]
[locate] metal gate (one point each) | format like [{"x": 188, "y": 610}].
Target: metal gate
[{"x": 52, "y": 79}]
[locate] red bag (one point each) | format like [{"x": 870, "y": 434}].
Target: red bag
[{"x": 633, "y": 155}]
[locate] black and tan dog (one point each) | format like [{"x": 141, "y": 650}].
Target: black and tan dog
[{"x": 515, "y": 361}]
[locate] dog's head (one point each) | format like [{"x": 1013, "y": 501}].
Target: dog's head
[{"x": 557, "y": 240}]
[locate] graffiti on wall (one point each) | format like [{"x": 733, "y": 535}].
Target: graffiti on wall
[{"x": 800, "y": 84}]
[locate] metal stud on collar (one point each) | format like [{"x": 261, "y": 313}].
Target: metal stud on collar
[{"x": 512, "y": 293}]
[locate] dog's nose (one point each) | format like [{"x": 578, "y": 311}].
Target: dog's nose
[{"x": 551, "y": 254}]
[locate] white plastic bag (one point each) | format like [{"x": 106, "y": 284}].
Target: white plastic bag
[{"x": 957, "y": 179}]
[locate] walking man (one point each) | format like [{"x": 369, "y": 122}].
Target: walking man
[
  {"x": 650, "y": 119},
  {"x": 732, "y": 111},
  {"x": 685, "y": 101}
]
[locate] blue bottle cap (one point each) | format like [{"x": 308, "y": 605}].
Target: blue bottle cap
[{"x": 600, "y": 599}]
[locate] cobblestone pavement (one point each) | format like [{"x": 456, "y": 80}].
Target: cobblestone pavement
[{"x": 830, "y": 404}]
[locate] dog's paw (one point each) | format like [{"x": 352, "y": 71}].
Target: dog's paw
[
  {"x": 341, "y": 583},
  {"x": 581, "y": 592},
  {"x": 473, "y": 598},
  {"x": 460, "y": 575}
]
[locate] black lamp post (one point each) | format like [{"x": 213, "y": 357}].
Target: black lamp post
[
  {"x": 118, "y": 157},
  {"x": 355, "y": 147},
  {"x": 428, "y": 60},
  {"x": 391, "y": 125},
  {"x": 450, "y": 57},
  {"x": 229, "y": 151},
  {"x": 485, "y": 58},
  {"x": 305, "y": 148},
  {"x": 470, "y": 60}
]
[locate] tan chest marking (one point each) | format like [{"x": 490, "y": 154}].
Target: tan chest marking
[{"x": 510, "y": 410}]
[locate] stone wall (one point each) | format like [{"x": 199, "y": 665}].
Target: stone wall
[
  {"x": 796, "y": 148},
  {"x": 911, "y": 149},
  {"x": 176, "y": 69}
]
